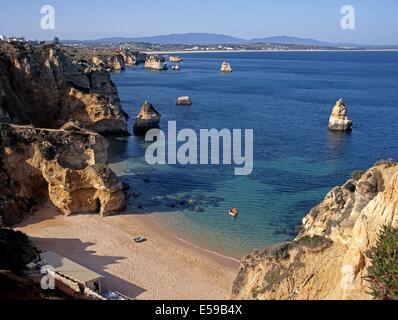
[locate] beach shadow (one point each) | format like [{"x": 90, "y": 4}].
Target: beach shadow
[
  {"x": 40, "y": 214},
  {"x": 79, "y": 252}
]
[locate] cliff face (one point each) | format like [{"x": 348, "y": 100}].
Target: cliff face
[
  {"x": 328, "y": 259},
  {"x": 41, "y": 86},
  {"x": 66, "y": 167},
  {"x": 112, "y": 60}
]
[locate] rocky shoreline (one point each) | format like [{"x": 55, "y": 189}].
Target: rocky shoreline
[
  {"x": 51, "y": 144},
  {"x": 329, "y": 257},
  {"x": 56, "y": 108},
  {"x": 66, "y": 167},
  {"x": 112, "y": 59},
  {"x": 68, "y": 91}
]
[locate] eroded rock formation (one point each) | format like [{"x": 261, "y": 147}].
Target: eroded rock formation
[
  {"x": 148, "y": 118},
  {"x": 175, "y": 59},
  {"x": 116, "y": 62},
  {"x": 328, "y": 259},
  {"x": 184, "y": 101},
  {"x": 226, "y": 67},
  {"x": 66, "y": 167},
  {"x": 40, "y": 85},
  {"x": 155, "y": 63},
  {"x": 339, "y": 120},
  {"x": 132, "y": 58}
]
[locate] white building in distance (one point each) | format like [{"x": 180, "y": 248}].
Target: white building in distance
[{"x": 16, "y": 39}]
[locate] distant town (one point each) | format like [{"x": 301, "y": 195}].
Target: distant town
[{"x": 181, "y": 48}]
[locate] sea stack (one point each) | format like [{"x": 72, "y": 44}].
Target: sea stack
[
  {"x": 226, "y": 67},
  {"x": 148, "y": 118},
  {"x": 155, "y": 63},
  {"x": 116, "y": 62},
  {"x": 184, "y": 101},
  {"x": 339, "y": 120},
  {"x": 175, "y": 59},
  {"x": 128, "y": 58}
]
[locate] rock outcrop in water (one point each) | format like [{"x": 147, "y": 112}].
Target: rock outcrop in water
[
  {"x": 132, "y": 58},
  {"x": 66, "y": 167},
  {"x": 155, "y": 63},
  {"x": 40, "y": 85},
  {"x": 184, "y": 101},
  {"x": 148, "y": 118},
  {"x": 176, "y": 59},
  {"x": 328, "y": 259},
  {"x": 226, "y": 67},
  {"x": 116, "y": 62},
  {"x": 339, "y": 120}
]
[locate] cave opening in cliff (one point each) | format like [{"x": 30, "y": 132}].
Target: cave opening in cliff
[{"x": 98, "y": 205}]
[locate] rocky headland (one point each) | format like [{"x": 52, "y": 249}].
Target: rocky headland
[
  {"x": 329, "y": 258},
  {"x": 112, "y": 59},
  {"x": 52, "y": 112},
  {"x": 40, "y": 85},
  {"x": 339, "y": 120}
]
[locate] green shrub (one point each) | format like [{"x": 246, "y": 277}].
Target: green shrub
[
  {"x": 383, "y": 274},
  {"x": 315, "y": 242},
  {"x": 357, "y": 175}
]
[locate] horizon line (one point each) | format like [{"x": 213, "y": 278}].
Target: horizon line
[{"x": 214, "y": 34}]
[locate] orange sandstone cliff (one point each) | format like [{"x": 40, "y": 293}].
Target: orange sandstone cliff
[{"x": 328, "y": 259}]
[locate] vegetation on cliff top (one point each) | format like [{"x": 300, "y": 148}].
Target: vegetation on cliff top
[{"x": 383, "y": 274}]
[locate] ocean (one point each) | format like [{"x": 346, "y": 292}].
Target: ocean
[{"x": 286, "y": 98}]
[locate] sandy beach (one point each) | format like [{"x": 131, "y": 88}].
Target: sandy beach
[{"x": 164, "y": 267}]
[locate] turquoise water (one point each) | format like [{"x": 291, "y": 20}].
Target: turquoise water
[{"x": 287, "y": 99}]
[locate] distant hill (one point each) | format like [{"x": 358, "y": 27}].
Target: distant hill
[
  {"x": 291, "y": 40},
  {"x": 183, "y": 38},
  {"x": 220, "y": 39}
]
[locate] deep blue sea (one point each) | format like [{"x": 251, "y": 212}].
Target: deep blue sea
[{"x": 286, "y": 97}]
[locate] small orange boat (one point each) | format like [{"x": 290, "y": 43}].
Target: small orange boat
[{"x": 233, "y": 212}]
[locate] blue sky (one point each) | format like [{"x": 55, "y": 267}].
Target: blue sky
[{"x": 376, "y": 21}]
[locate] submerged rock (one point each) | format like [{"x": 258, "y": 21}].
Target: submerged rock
[
  {"x": 339, "y": 120},
  {"x": 148, "y": 118},
  {"x": 184, "y": 101},
  {"x": 226, "y": 67},
  {"x": 155, "y": 63}
]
